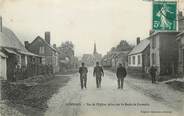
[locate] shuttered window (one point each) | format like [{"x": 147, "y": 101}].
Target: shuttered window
[
  {"x": 139, "y": 59},
  {"x": 134, "y": 60},
  {"x": 42, "y": 50}
]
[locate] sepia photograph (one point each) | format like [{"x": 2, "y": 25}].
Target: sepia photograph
[{"x": 91, "y": 57}]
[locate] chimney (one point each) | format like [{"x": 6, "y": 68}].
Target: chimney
[
  {"x": 180, "y": 14},
  {"x": 1, "y": 24},
  {"x": 138, "y": 40},
  {"x": 47, "y": 37},
  {"x": 26, "y": 43},
  {"x": 54, "y": 46}
]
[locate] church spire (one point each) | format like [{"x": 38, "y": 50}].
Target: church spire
[{"x": 95, "y": 51}]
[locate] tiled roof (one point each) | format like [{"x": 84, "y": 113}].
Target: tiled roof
[
  {"x": 38, "y": 37},
  {"x": 181, "y": 33},
  {"x": 8, "y": 39},
  {"x": 140, "y": 47},
  {"x": 2, "y": 54}
]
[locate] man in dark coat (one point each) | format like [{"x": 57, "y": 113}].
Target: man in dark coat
[
  {"x": 153, "y": 72},
  {"x": 83, "y": 75},
  {"x": 98, "y": 73},
  {"x": 121, "y": 74}
]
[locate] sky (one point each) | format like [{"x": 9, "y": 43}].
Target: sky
[{"x": 83, "y": 22}]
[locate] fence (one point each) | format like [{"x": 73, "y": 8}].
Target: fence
[{"x": 32, "y": 70}]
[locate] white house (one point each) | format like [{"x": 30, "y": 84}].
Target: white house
[{"x": 138, "y": 58}]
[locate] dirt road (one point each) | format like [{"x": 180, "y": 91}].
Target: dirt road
[{"x": 106, "y": 101}]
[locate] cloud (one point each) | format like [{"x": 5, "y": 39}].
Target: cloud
[
  {"x": 3, "y": 2},
  {"x": 80, "y": 21}
]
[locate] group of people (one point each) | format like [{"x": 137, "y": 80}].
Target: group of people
[
  {"x": 98, "y": 73},
  {"x": 120, "y": 73}
]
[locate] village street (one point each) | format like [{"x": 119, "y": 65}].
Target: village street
[{"x": 106, "y": 101}]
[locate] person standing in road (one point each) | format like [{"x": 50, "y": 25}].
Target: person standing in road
[
  {"x": 83, "y": 75},
  {"x": 98, "y": 73},
  {"x": 153, "y": 72},
  {"x": 121, "y": 74}
]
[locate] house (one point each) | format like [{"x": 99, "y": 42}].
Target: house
[
  {"x": 138, "y": 58},
  {"x": 107, "y": 61},
  {"x": 43, "y": 48},
  {"x": 180, "y": 40},
  {"x": 164, "y": 52},
  {"x": 88, "y": 59},
  {"x": 13, "y": 54},
  {"x": 119, "y": 57},
  {"x": 180, "y": 21}
]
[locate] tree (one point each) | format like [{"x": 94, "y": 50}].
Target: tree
[
  {"x": 67, "y": 53},
  {"x": 113, "y": 49},
  {"x": 123, "y": 46},
  {"x": 67, "y": 49}
]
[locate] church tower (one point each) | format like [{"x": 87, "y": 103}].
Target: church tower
[
  {"x": 95, "y": 51},
  {"x": 96, "y": 56}
]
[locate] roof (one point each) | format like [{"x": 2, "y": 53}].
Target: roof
[
  {"x": 38, "y": 37},
  {"x": 120, "y": 52},
  {"x": 10, "y": 51},
  {"x": 9, "y": 40},
  {"x": 29, "y": 54},
  {"x": 140, "y": 47},
  {"x": 163, "y": 32},
  {"x": 2, "y": 54},
  {"x": 181, "y": 33}
]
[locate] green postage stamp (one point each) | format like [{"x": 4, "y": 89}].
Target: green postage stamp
[{"x": 164, "y": 15}]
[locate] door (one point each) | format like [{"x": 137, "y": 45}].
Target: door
[
  {"x": 183, "y": 61},
  {"x": 3, "y": 68}
]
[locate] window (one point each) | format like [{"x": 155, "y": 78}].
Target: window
[
  {"x": 23, "y": 60},
  {"x": 129, "y": 60},
  {"x": 154, "y": 42},
  {"x": 153, "y": 58},
  {"x": 43, "y": 61},
  {"x": 139, "y": 59},
  {"x": 183, "y": 59},
  {"x": 42, "y": 50},
  {"x": 133, "y": 59}
]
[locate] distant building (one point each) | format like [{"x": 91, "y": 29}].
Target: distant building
[
  {"x": 119, "y": 57},
  {"x": 91, "y": 59},
  {"x": 43, "y": 48},
  {"x": 88, "y": 59},
  {"x": 164, "y": 52},
  {"x": 107, "y": 60},
  {"x": 97, "y": 57},
  {"x": 138, "y": 58}
]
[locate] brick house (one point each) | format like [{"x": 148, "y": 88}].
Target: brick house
[
  {"x": 139, "y": 57},
  {"x": 164, "y": 52},
  {"x": 43, "y": 48}
]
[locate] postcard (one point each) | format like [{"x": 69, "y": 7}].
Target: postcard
[{"x": 91, "y": 57}]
